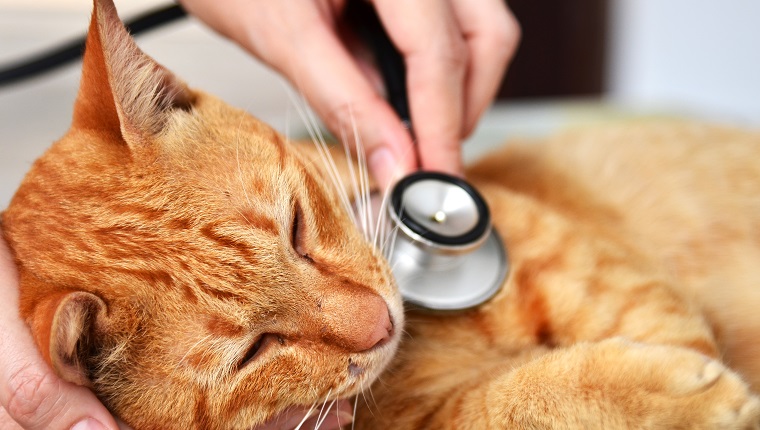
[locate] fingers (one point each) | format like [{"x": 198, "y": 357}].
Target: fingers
[
  {"x": 298, "y": 38},
  {"x": 29, "y": 390},
  {"x": 324, "y": 71},
  {"x": 455, "y": 52},
  {"x": 341, "y": 95},
  {"x": 492, "y": 34},
  {"x": 427, "y": 34}
]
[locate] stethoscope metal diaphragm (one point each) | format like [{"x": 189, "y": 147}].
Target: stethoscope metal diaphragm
[{"x": 446, "y": 254}]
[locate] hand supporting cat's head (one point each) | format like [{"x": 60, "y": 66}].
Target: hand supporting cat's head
[{"x": 186, "y": 262}]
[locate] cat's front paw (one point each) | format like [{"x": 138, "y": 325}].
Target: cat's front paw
[
  {"x": 729, "y": 403},
  {"x": 616, "y": 384},
  {"x": 707, "y": 393},
  {"x": 671, "y": 387}
]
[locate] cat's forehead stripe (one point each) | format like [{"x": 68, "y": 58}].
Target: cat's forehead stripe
[
  {"x": 212, "y": 232},
  {"x": 220, "y": 326},
  {"x": 260, "y": 222},
  {"x": 218, "y": 293}
]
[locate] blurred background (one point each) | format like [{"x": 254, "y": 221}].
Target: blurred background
[{"x": 581, "y": 62}]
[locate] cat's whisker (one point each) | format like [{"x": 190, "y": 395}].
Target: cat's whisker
[
  {"x": 331, "y": 167},
  {"x": 364, "y": 396},
  {"x": 322, "y": 410},
  {"x": 392, "y": 238},
  {"x": 382, "y": 223},
  {"x": 372, "y": 395},
  {"x": 319, "y": 142},
  {"x": 366, "y": 402},
  {"x": 351, "y": 171},
  {"x": 356, "y": 179},
  {"x": 320, "y": 421},
  {"x": 306, "y": 416},
  {"x": 364, "y": 186},
  {"x": 389, "y": 244},
  {"x": 242, "y": 215},
  {"x": 358, "y": 176},
  {"x": 353, "y": 418},
  {"x": 337, "y": 414}
]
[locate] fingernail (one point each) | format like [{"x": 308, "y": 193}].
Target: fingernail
[
  {"x": 88, "y": 424},
  {"x": 382, "y": 165}
]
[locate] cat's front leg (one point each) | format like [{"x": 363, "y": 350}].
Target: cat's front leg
[
  {"x": 608, "y": 385},
  {"x": 620, "y": 384}
]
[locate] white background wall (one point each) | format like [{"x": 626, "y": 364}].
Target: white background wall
[
  {"x": 697, "y": 56},
  {"x": 687, "y": 57}
]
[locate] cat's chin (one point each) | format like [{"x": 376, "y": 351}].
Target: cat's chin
[
  {"x": 364, "y": 368},
  {"x": 335, "y": 413}
]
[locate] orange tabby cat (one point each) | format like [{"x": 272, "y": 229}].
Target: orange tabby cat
[
  {"x": 197, "y": 271},
  {"x": 181, "y": 259}
]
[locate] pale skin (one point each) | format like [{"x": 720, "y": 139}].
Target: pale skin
[{"x": 455, "y": 52}]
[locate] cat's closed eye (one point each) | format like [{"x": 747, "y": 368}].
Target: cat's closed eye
[
  {"x": 254, "y": 351},
  {"x": 298, "y": 233}
]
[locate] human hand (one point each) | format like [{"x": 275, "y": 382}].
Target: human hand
[
  {"x": 455, "y": 52},
  {"x": 30, "y": 392}
]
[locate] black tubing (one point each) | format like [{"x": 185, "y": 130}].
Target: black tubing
[
  {"x": 72, "y": 50},
  {"x": 362, "y": 17}
]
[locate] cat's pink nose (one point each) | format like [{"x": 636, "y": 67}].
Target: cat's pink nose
[
  {"x": 357, "y": 321},
  {"x": 383, "y": 329}
]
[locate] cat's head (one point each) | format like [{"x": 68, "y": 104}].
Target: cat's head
[{"x": 187, "y": 262}]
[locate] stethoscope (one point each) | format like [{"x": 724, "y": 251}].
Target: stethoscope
[{"x": 446, "y": 255}]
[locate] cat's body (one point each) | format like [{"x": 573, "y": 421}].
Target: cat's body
[{"x": 197, "y": 271}]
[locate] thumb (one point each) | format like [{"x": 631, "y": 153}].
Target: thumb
[
  {"x": 37, "y": 399},
  {"x": 332, "y": 81},
  {"x": 30, "y": 392}
]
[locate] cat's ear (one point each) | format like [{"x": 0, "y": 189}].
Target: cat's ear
[
  {"x": 78, "y": 321},
  {"x": 124, "y": 93}
]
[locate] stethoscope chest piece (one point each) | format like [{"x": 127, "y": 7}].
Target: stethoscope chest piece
[{"x": 446, "y": 255}]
